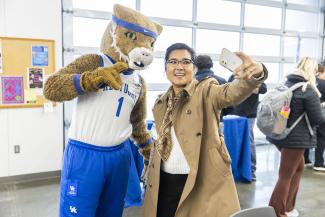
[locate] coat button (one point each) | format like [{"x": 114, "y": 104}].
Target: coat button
[
  {"x": 198, "y": 134},
  {"x": 152, "y": 166},
  {"x": 188, "y": 111},
  {"x": 150, "y": 185}
]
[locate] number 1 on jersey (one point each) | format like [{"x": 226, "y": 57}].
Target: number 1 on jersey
[{"x": 119, "y": 107}]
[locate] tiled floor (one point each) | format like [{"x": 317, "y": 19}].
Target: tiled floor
[{"x": 40, "y": 198}]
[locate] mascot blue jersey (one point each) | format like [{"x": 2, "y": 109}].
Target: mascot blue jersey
[{"x": 103, "y": 118}]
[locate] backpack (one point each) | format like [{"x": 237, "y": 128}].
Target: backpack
[{"x": 273, "y": 112}]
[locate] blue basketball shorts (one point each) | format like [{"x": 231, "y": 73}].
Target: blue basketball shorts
[{"x": 94, "y": 180}]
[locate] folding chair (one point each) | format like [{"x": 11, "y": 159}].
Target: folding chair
[{"x": 256, "y": 212}]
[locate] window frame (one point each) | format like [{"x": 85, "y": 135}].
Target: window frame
[{"x": 69, "y": 50}]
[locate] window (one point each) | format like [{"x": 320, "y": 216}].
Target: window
[
  {"x": 259, "y": 16},
  {"x": 273, "y": 69},
  {"x": 155, "y": 72},
  {"x": 88, "y": 32},
  {"x": 151, "y": 99},
  {"x": 212, "y": 41},
  {"x": 102, "y": 5},
  {"x": 221, "y": 71},
  {"x": 76, "y": 56},
  {"x": 172, "y": 34},
  {"x": 302, "y": 21},
  {"x": 287, "y": 69},
  {"x": 314, "y": 3},
  {"x": 262, "y": 45},
  {"x": 290, "y": 46},
  {"x": 180, "y": 9},
  {"x": 261, "y": 40},
  {"x": 308, "y": 47},
  {"x": 216, "y": 11}
]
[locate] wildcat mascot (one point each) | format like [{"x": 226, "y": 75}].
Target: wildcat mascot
[{"x": 110, "y": 108}]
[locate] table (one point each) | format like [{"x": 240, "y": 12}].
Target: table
[{"x": 236, "y": 131}]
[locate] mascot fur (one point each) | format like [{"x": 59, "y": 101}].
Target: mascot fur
[{"x": 110, "y": 108}]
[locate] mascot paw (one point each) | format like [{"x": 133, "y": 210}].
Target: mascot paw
[
  {"x": 112, "y": 75},
  {"x": 144, "y": 174},
  {"x": 146, "y": 152},
  {"x": 103, "y": 76}
]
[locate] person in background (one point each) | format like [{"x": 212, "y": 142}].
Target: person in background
[
  {"x": 319, "y": 151},
  {"x": 248, "y": 109},
  {"x": 292, "y": 148},
  {"x": 204, "y": 64},
  {"x": 189, "y": 172}
]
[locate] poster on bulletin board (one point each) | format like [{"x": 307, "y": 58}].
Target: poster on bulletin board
[
  {"x": 40, "y": 55},
  {"x": 0, "y": 58},
  {"x": 30, "y": 96},
  {"x": 25, "y": 64},
  {"x": 12, "y": 90},
  {"x": 35, "y": 77}
]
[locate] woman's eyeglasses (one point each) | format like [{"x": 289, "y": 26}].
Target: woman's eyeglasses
[{"x": 183, "y": 62}]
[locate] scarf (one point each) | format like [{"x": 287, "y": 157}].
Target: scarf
[{"x": 164, "y": 143}]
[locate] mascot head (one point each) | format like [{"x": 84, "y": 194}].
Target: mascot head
[{"x": 130, "y": 37}]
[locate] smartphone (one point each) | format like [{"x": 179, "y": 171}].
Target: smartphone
[{"x": 229, "y": 60}]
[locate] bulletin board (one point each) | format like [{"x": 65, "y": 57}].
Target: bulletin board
[{"x": 25, "y": 64}]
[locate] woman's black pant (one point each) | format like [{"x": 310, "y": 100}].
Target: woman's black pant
[{"x": 170, "y": 191}]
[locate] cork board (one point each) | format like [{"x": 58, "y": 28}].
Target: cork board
[{"x": 24, "y": 66}]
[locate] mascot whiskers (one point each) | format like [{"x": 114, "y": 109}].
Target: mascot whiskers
[{"x": 110, "y": 108}]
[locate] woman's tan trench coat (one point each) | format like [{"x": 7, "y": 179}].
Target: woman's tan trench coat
[{"x": 209, "y": 190}]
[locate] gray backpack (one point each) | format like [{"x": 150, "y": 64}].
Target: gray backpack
[{"x": 269, "y": 120}]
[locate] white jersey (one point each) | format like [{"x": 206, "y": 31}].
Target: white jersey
[{"x": 103, "y": 118}]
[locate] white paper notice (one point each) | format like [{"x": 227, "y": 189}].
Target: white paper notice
[{"x": 48, "y": 107}]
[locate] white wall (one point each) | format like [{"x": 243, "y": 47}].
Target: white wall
[
  {"x": 2, "y": 17},
  {"x": 4, "y": 141},
  {"x": 39, "y": 134}
]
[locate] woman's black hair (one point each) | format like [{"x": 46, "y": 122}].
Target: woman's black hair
[{"x": 180, "y": 46}]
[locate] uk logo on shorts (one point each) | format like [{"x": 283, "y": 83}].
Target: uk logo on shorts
[
  {"x": 72, "y": 189},
  {"x": 73, "y": 209}
]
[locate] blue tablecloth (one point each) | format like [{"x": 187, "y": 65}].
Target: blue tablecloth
[{"x": 236, "y": 131}]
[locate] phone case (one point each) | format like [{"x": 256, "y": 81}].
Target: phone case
[{"x": 229, "y": 60}]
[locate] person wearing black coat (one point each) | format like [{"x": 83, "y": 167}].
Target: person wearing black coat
[
  {"x": 248, "y": 109},
  {"x": 204, "y": 64},
  {"x": 304, "y": 99},
  {"x": 319, "y": 151}
]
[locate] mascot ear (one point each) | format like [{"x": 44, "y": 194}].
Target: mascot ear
[
  {"x": 121, "y": 12},
  {"x": 159, "y": 28},
  {"x": 135, "y": 17}
]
